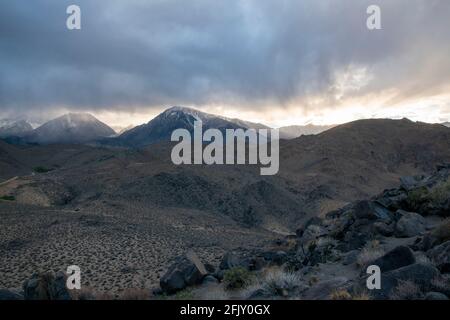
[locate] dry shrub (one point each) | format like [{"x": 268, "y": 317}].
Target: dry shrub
[
  {"x": 369, "y": 253},
  {"x": 407, "y": 290},
  {"x": 275, "y": 282},
  {"x": 340, "y": 294},
  {"x": 442, "y": 231}
]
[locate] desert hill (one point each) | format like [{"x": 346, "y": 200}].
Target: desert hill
[{"x": 138, "y": 198}]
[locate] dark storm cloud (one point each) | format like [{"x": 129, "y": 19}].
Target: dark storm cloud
[{"x": 134, "y": 54}]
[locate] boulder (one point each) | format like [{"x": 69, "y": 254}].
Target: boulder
[
  {"x": 229, "y": 261},
  {"x": 440, "y": 255},
  {"x": 354, "y": 240},
  {"x": 399, "y": 257},
  {"x": 435, "y": 296},
  {"x": 9, "y": 295},
  {"x": 316, "y": 221},
  {"x": 312, "y": 232},
  {"x": 383, "y": 228},
  {"x": 419, "y": 273},
  {"x": 254, "y": 263},
  {"x": 323, "y": 289},
  {"x": 209, "y": 280},
  {"x": 392, "y": 199},
  {"x": 350, "y": 257},
  {"x": 408, "y": 183},
  {"x": 275, "y": 257},
  {"x": 185, "y": 271},
  {"x": 47, "y": 286},
  {"x": 371, "y": 210},
  {"x": 410, "y": 224}
]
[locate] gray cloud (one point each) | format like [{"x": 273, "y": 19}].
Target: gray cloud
[{"x": 255, "y": 53}]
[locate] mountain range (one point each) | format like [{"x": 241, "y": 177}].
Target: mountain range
[
  {"x": 291, "y": 132},
  {"x": 137, "y": 197},
  {"x": 160, "y": 128},
  {"x": 14, "y": 128},
  {"x": 85, "y": 128},
  {"x": 80, "y": 128}
]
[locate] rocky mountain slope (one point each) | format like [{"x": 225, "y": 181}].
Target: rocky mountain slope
[
  {"x": 17, "y": 129},
  {"x": 111, "y": 196},
  {"x": 70, "y": 128},
  {"x": 328, "y": 257},
  {"x": 160, "y": 128}
]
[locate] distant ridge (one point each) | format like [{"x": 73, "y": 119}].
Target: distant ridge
[
  {"x": 14, "y": 128},
  {"x": 292, "y": 132},
  {"x": 160, "y": 128},
  {"x": 70, "y": 128}
]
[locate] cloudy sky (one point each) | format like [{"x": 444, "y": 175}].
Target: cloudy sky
[{"x": 279, "y": 62}]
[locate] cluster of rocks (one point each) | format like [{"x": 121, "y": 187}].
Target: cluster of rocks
[
  {"x": 419, "y": 242},
  {"x": 188, "y": 270},
  {"x": 412, "y": 221},
  {"x": 41, "y": 286}
]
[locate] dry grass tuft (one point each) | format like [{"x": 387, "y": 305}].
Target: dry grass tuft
[
  {"x": 407, "y": 290},
  {"x": 369, "y": 253}
]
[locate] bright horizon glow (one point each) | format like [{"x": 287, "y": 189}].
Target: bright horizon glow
[{"x": 430, "y": 109}]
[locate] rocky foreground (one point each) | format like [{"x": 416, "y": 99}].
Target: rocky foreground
[{"x": 405, "y": 231}]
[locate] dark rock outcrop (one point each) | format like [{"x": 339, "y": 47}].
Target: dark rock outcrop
[
  {"x": 186, "y": 271},
  {"x": 397, "y": 258},
  {"x": 47, "y": 286}
]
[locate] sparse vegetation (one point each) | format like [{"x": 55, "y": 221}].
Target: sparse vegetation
[
  {"x": 343, "y": 294},
  {"x": 407, "y": 290},
  {"x": 440, "y": 284},
  {"x": 440, "y": 193},
  {"x": 442, "y": 231},
  {"x": 42, "y": 169},
  {"x": 340, "y": 294},
  {"x": 185, "y": 294},
  {"x": 279, "y": 282},
  {"x": 237, "y": 278},
  {"x": 7, "y": 198},
  {"x": 371, "y": 251},
  {"x": 275, "y": 282},
  {"x": 417, "y": 197}
]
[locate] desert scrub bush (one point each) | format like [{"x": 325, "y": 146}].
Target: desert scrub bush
[
  {"x": 185, "y": 294},
  {"x": 440, "y": 193},
  {"x": 41, "y": 169},
  {"x": 442, "y": 231},
  {"x": 343, "y": 294},
  {"x": 371, "y": 251},
  {"x": 275, "y": 282},
  {"x": 7, "y": 198},
  {"x": 406, "y": 290},
  {"x": 417, "y": 197},
  {"x": 363, "y": 295},
  {"x": 279, "y": 282},
  {"x": 340, "y": 294},
  {"x": 440, "y": 284},
  {"x": 237, "y": 278}
]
